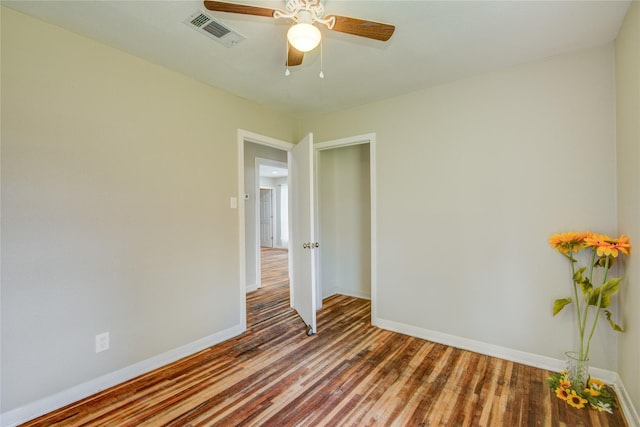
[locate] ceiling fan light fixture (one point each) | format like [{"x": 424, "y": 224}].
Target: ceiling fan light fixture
[{"x": 304, "y": 37}]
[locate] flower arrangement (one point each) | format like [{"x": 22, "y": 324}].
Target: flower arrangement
[
  {"x": 596, "y": 394},
  {"x": 575, "y": 386}
]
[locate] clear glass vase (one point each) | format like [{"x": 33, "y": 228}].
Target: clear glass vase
[{"x": 577, "y": 370}]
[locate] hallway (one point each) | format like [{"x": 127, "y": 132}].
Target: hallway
[{"x": 273, "y": 297}]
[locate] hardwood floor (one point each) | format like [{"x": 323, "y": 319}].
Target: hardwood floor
[{"x": 349, "y": 374}]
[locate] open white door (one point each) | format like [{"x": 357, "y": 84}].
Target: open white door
[{"x": 302, "y": 233}]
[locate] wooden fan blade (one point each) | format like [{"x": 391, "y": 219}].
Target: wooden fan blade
[
  {"x": 294, "y": 56},
  {"x": 222, "y": 6},
  {"x": 362, "y": 28}
]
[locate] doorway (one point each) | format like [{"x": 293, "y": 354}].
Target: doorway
[
  {"x": 346, "y": 212},
  {"x": 254, "y": 150},
  {"x": 344, "y": 221},
  {"x": 273, "y": 204},
  {"x": 248, "y": 228}
]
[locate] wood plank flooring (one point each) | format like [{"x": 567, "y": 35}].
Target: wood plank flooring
[{"x": 349, "y": 374}]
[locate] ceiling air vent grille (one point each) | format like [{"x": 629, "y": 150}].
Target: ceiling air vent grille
[{"x": 214, "y": 28}]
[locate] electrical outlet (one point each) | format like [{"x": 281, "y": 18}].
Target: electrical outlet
[{"x": 102, "y": 342}]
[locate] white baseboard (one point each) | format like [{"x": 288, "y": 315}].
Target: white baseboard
[
  {"x": 251, "y": 288},
  {"x": 518, "y": 356},
  {"x": 35, "y": 409},
  {"x": 328, "y": 292},
  {"x": 347, "y": 292},
  {"x": 354, "y": 294},
  {"x": 626, "y": 405},
  {"x": 530, "y": 359}
]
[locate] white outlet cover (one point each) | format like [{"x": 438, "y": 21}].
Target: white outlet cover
[{"x": 102, "y": 342}]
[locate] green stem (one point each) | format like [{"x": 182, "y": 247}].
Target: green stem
[
  {"x": 578, "y": 309},
  {"x": 582, "y": 323},
  {"x": 593, "y": 259},
  {"x": 598, "y": 305}
]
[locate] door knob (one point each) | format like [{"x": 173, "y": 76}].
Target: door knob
[
  {"x": 306, "y": 245},
  {"x": 315, "y": 245}
]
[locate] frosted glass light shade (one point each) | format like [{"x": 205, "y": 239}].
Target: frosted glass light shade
[{"x": 304, "y": 37}]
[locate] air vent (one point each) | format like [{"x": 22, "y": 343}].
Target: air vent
[{"x": 214, "y": 28}]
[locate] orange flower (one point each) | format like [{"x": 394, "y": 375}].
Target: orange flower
[
  {"x": 564, "y": 383},
  {"x": 568, "y": 242},
  {"x": 576, "y": 400},
  {"x": 592, "y": 391},
  {"x": 595, "y": 383},
  {"x": 562, "y": 393},
  {"x": 594, "y": 386},
  {"x": 608, "y": 246},
  {"x": 624, "y": 245}
]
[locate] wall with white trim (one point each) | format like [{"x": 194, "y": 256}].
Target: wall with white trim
[
  {"x": 628, "y": 144},
  {"x": 472, "y": 179},
  {"x": 116, "y": 183}
]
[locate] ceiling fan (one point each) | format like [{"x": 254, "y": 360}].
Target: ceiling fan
[{"x": 304, "y": 36}]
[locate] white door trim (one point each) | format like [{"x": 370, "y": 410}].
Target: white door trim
[
  {"x": 242, "y": 136},
  {"x": 369, "y": 138}
]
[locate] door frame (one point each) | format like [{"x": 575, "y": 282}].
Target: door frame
[
  {"x": 369, "y": 138},
  {"x": 242, "y": 137}
]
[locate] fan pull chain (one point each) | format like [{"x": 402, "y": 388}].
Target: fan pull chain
[{"x": 321, "y": 73}]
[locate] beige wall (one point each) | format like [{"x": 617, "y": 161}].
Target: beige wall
[
  {"x": 472, "y": 179},
  {"x": 628, "y": 134},
  {"x": 116, "y": 178},
  {"x": 116, "y": 183}
]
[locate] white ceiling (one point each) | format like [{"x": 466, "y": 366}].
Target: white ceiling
[
  {"x": 435, "y": 42},
  {"x": 267, "y": 171}
]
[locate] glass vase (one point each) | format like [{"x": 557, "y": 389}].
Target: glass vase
[{"x": 577, "y": 370}]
